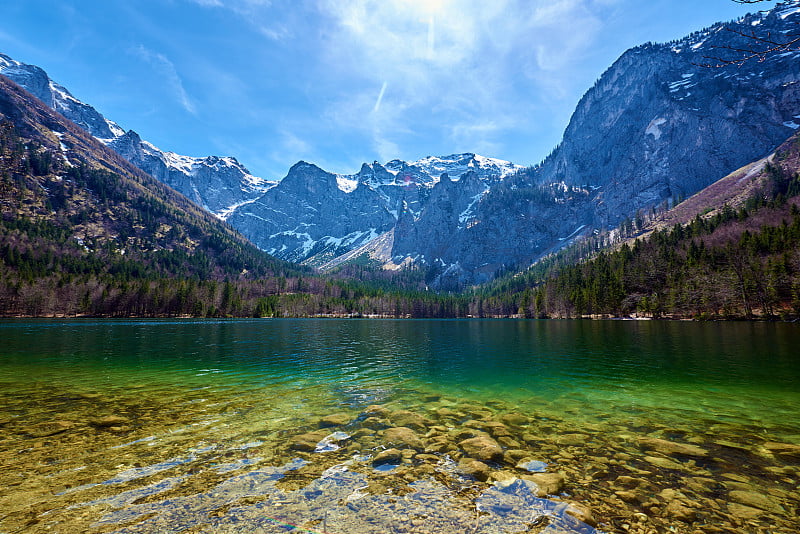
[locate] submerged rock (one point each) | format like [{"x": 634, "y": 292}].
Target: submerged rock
[
  {"x": 474, "y": 468},
  {"x": 403, "y": 437},
  {"x": 307, "y": 442},
  {"x": 482, "y": 448},
  {"x": 337, "y": 419},
  {"x": 671, "y": 448}
]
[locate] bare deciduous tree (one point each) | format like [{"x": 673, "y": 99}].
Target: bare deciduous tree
[{"x": 758, "y": 47}]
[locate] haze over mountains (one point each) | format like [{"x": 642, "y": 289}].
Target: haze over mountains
[{"x": 657, "y": 126}]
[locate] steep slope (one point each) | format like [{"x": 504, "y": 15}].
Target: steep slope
[
  {"x": 78, "y": 219},
  {"x": 217, "y": 184},
  {"x": 732, "y": 249},
  {"x": 316, "y": 216},
  {"x": 656, "y": 126}
]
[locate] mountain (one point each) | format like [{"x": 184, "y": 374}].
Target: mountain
[
  {"x": 218, "y": 184},
  {"x": 85, "y": 232},
  {"x": 656, "y": 127},
  {"x": 314, "y": 216},
  {"x": 82, "y": 230}
]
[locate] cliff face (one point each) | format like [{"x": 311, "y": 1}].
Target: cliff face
[
  {"x": 657, "y": 125},
  {"x": 314, "y": 216}
]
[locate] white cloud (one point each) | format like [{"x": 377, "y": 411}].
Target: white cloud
[
  {"x": 209, "y": 3},
  {"x": 377, "y": 105},
  {"x": 167, "y": 70},
  {"x": 462, "y": 66}
]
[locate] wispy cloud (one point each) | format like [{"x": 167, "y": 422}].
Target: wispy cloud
[
  {"x": 167, "y": 70},
  {"x": 459, "y": 66},
  {"x": 377, "y": 106}
]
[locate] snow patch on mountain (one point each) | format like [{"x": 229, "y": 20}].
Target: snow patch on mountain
[{"x": 219, "y": 184}]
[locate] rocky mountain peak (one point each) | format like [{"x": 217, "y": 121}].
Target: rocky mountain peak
[{"x": 219, "y": 184}]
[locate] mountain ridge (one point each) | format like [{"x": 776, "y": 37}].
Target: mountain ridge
[{"x": 215, "y": 183}]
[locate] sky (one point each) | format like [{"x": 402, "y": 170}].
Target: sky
[{"x": 341, "y": 82}]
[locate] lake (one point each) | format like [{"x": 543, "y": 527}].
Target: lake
[{"x": 355, "y": 426}]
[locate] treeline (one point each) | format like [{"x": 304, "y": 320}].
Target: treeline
[
  {"x": 737, "y": 264},
  {"x": 78, "y": 240}
]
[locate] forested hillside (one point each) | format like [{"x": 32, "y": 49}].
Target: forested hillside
[
  {"x": 83, "y": 232},
  {"x": 729, "y": 261}
]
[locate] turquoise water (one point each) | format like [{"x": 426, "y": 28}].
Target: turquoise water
[{"x": 154, "y": 426}]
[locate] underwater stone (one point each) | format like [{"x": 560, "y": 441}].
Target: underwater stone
[
  {"x": 474, "y": 468},
  {"x": 670, "y": 447},
  {"x": 405, "y": 418},
  {"x": 482, "y": 448},
  {"x": 403, "y": 437},
  {"x": 337, "y": 419}
]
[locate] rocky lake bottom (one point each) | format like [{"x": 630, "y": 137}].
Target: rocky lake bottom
[
  {"x": 207, "y": 454},
  {"x": 87, "y": 462}
]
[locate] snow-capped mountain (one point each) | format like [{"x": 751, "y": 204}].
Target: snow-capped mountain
[
  {"x": 657, "y": 126},
  {"x": 217, "y": 184},
  {"x": 315, "y": 216}
]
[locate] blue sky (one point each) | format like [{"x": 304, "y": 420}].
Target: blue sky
[{"x": 341, "y": 82}]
